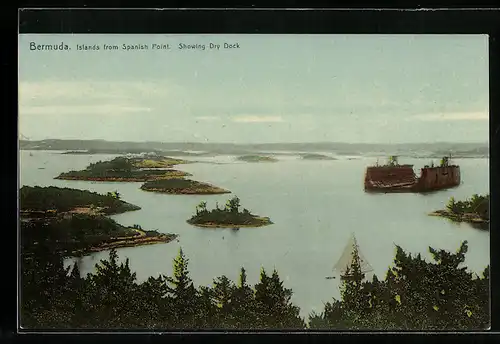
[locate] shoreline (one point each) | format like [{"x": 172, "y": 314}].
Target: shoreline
[
  {"x": 209, "y": 191},
  {"x": 120, "y": 179},
  {"x": 32, "y": 214},
  {"x": 130, "y": 242},
  {"x": 465, "y": 217},
  {"x": 122, "y": 243},
  {"x": 100, "y": 179},
  {"x": 264, "y": 221}
]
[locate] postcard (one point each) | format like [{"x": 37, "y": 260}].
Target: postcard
[{"x": 254, "y": 182}]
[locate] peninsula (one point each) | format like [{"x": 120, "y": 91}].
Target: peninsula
[
  {"x": 36, "y": 200},
  {"x": 82, "y": 234},
  {"x": 122, "y": 169},
  {"x": 156, "y": 162},
  {"x": 74, "y": 221},
  {"x": 257, "y": 158},
  {"x": 181, "y": 186},
  {"x": 228, "y": 217},
  {"x": 474, "y": 210}
]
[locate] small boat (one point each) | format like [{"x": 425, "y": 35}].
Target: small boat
[
  {"x": 31, "y": 154},
  {"x": 346, "y": 259}
]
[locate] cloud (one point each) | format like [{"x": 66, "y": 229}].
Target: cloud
[
  {"x": 257, "y": 119},
  {"x": 95, "y": 97},
  {"x": 103, "y": 109},
  {"x": 208, "y": 118},
  {"x": 454, "y": 116},
  {"x": 53, "y": 89}
]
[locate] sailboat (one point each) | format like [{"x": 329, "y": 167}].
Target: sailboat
[{"x": 346, "y": 259}]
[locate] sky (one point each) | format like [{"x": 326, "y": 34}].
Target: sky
[{"x": 273, "y": 88}]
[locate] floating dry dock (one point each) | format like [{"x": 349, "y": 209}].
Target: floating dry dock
[{"x": 401, "y": 178}]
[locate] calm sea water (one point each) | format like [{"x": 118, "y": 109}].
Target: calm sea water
[{"x": 315, "y": 206}]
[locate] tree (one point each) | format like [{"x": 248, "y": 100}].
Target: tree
[
  {"x": 113, "y": 289},
  {"x": 154, "y": 309},
  {"x": 201, "y": 208},
  {"x": 243, "y": 304},
  {"x": 451, "y": 206},
  {"x": 182, "y": 291},
  {"x": 273, "y": 304},
  {"x": 445, "y": 161},
  {"x": 44, "y": 283},
  {"x": 233, "y": 204},
  {"x": 222, "y": 297}
]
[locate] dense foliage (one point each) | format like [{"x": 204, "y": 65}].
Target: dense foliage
[
  {"x": 74, "y": 233},
  {"x": 122, "y": 167},
  {"x": 439, "y": 295},
  {"x": 414, "y": 295},
  {"x": 229, "y": 215},
  {"x": 111, "y": 297},
  {"x": 64, "y": 199},
  {"x": 181, "y": 185},
  {"x": 477, "y": 204}
]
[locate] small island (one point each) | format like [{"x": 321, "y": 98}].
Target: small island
[
  {"x": 317, "y": 157},
  {"x": 228, "y": 217},
  {"x": 123, "y": 169},
  {"x": 474, "y": 210},
  {"x": 181, "y": 186},
  {"x": 257, "y": 158},
  {"x": 75, "y": 222}
]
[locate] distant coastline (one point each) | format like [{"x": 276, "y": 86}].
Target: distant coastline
[
  {"x": 256, "y": 158},
  {"x": 415, "y": 150}
]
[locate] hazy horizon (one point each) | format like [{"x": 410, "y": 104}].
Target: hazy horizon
[
  {"x": 364, "y": 89},
  {"x": 270, "y": 143}
]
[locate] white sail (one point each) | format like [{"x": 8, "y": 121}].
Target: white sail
[{"x": 346, "y": 258}]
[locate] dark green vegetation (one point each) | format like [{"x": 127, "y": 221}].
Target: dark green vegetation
[
  {"x": 257, "y": 158},
  {"x": 150, "y": 170},
  {"x": 181, "y": 186},
  {"x": 125, "y": 169},
  {"x": 229, "y": 216},
  {"x": 54, "y": 297},
  {"x": 316, "y": 157},
  {"x": 80, "y": 234},
  {"x": 475, "y": 210},
  {"x": 73, "y": 221},
  {"x": 415, "y": 295},
  {"x": 43, "y": 199}
]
